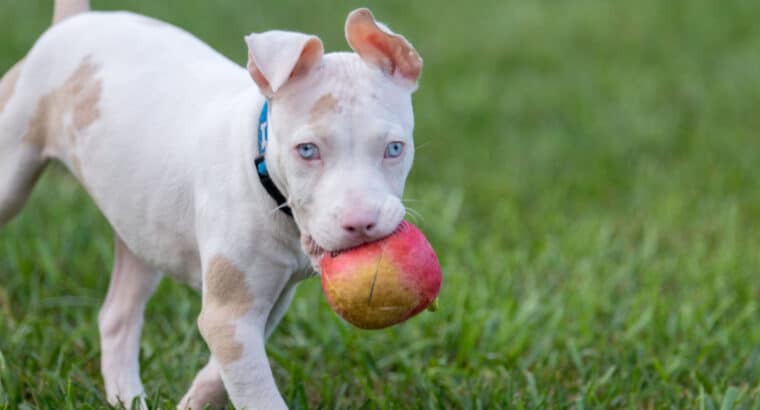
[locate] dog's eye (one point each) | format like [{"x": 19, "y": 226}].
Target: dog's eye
[
  {"x": 308, "y": 151},
  {"x": 394, "y": 149}
]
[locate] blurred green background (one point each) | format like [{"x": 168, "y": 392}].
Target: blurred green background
[{"x": 588, "y": 172}]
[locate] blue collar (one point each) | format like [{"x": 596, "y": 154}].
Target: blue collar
[{"x": 261, "y": 165}]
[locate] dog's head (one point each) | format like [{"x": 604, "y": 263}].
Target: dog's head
[{"x": 340, "y": 129}]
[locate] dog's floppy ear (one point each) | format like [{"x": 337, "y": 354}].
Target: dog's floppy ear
[
  {"x": 275, "y": 57},
  {"x": 378, "y": 45}
]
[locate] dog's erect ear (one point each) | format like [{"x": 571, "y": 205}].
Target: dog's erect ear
[
  {"x": 275, "y": 57},
  {"x": 378, "y": 45}
]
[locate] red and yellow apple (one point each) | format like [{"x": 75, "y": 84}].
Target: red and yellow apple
[{"x": 385, "y": 282}]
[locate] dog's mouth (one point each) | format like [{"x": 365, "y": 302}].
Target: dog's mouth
[
  {"x": 312, "y": 249},
  {"x": 316, "y": 252}
]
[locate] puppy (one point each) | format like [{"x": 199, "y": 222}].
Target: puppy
[{"x": 234, "y": 181}]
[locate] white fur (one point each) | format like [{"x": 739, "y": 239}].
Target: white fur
[{"x": 169, "y": 163}]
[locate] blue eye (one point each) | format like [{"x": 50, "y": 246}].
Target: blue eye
[
  {"x": 394, "y": 149},
  {"x": 308, "y": 151}
]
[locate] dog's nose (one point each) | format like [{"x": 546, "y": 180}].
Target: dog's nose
[{"x": 360, "y": 223}]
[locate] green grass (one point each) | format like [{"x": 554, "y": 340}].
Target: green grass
[{"x": 588, "y": 171}]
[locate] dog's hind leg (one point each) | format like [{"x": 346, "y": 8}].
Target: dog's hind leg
[
  {"x": 21, "y": 162},
  {"x": 120, "y": 322}
]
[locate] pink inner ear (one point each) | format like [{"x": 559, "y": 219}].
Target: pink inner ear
[
  {"x": 398, "y": 55},
  {"x": 384, "y": 60},
  {"x": 407, "y": 61},
  {"x": 309, "y": 57},
  {"x": 258, "y": 77},
  {"x": 389, "y": 51}
]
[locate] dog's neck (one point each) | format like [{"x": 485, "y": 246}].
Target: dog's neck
[{"x": 261, "y": 165}]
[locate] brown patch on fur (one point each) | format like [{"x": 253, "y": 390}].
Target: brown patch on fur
[
  {"x": 324, "y": 105},
  {"x": 77, "y": 98},
  {"x": 226, "y": 299},
  {"x": 8, "y": 84}
]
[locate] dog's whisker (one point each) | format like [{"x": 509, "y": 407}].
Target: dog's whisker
[
  {"x": 414, "y": 214},
  {"x": 413, "y": 218},
  {"x": 279, "y": 207},
  {"x": 408, "y": 208},
  {"x": 422, "y": 145}
]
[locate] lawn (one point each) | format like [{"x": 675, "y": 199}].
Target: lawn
[{"x": 588, "y": 172}]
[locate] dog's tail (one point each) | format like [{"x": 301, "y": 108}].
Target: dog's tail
[
  {"x": 22, "y": 163},
  {"x": 68, "y": 8}
]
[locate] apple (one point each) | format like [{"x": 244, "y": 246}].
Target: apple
[{"x": 385, "y": 282}]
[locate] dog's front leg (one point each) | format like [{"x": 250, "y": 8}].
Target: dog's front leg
[{"x": 233, "y": 322}]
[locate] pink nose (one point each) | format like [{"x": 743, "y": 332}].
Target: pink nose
[{"x": 359, "y": 223}]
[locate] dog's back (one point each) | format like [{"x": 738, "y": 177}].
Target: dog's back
[{"x": 98, "y": 91}]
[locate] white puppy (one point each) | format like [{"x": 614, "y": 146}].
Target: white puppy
[{"x": 162, "y": 132}]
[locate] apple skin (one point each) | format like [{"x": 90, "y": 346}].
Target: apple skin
[{"x": 382, "y": 283}]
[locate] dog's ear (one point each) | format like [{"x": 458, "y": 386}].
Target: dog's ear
[
  {"x": 275, "y": 57},
  {"x": 378, "y": 45}
]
